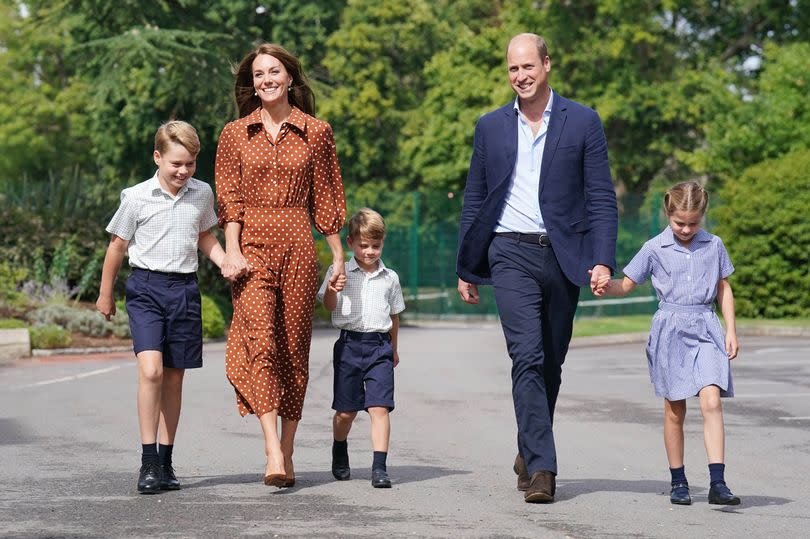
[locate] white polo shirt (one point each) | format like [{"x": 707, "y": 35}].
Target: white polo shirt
[
  {"x": 163, "y": 230},
  {"x": 368, "y": 300}
]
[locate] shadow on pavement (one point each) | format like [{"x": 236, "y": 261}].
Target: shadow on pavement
[
  {"x": 568, "y": 489},
  {"x": 399, "y": 475}
]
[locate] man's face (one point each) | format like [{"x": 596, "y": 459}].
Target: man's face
[{"x": 528, "y": 73}]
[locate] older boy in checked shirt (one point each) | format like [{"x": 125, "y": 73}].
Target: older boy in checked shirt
[
  {"x": 365, "y": 306},
  {"x": 161, "y": 223}
]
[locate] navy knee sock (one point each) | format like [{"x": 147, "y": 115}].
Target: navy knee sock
[
  {"x": 149, "y": 453},
  {"x": 379, "y": 460},
  {"x": 678, "y": 475},
  {"x": 716, "y": 473},
  {"x": 165, "y": 454}
]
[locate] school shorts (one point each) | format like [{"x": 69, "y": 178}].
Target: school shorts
[
  {"x": 165, "y": 314},
  {"x": 364, "y": 371}
]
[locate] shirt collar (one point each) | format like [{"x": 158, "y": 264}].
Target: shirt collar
[
  {"x": 155, "y": 187},
  {"x": 546, "y": 112},
  {"x": 352, "y": 265},
  {"x": 297, "y": 118},
  {"x": 668, "y": 237}
]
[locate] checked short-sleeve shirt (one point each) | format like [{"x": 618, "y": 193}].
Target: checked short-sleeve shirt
[{"x": 368, "y": 300}]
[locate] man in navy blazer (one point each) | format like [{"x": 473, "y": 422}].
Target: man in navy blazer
[{"x": 539, "y": 220}]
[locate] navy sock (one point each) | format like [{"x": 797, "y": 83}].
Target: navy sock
[
  {"x": 340, "y": 451},
  {"x": 379, "y": 460},
  {"x": 716, "y": 473},
  {"x": 149, "y": 454},
  {"x": 165, "y": 454},
  {"x": 678, "y": 475}
]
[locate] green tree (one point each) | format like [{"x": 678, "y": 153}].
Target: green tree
[{"x": 764, "y": 224}]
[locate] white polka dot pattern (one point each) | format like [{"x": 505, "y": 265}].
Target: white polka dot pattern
[{"x": 275, "y": 189}]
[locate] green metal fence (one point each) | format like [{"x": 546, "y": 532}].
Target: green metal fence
[{"x": 421, "y": 246}]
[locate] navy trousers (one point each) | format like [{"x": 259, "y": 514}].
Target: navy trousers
[{"x": 536, "y": 305}]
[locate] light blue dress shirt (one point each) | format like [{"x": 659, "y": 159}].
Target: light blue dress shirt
[{"x": 521, "y": 212}]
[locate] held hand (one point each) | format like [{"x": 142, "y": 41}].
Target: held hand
[
  {"x": 468, "y": 292},
  {"x": 732, "y": 347},
  {"x": 602, "y": 284},
  {"x": 106, "y": 306},
  {"x": 598, "y": 275},
  {"x": 396, "y": 359},
  {"x": 234, "y": 265},
  {"x": 338, "y": 274},
  {"x": 338, "y": 285}
]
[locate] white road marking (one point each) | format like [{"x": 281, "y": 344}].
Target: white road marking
[
  {"x": 791, "y": 418},
  {"x": 73, "y": 377}
]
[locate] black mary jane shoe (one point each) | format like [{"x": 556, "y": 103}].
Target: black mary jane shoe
[
  {"x": 168, "y": 481},
  {"x": 679, "y": 495},
  {"x": 720, "y": 494},
  {"x": 149, "y": 478},
  {"x": 380, "y": 479}
]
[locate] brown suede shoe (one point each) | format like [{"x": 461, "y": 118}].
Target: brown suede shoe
[
  {"x": 542, "y": 487},
  {"x": 523, "y": 480}
]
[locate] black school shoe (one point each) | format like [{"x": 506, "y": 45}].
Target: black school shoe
[
  {"x": 168, "y": 481},
  {"x": 679, "y": 495},
  {"x": 149, "y": 478},
  {"x": 720, "y": 494},
  {"x": 340, "y": 468},
  {"x": 380, "y": 479}
]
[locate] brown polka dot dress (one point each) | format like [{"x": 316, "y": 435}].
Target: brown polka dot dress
[{"x": 275, "y": 189}]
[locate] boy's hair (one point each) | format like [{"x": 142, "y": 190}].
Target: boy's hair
[
  {"x": 179, "y": 132},
  {"x": 367, "y": 223},
  {"x": 686, "y": 196}
]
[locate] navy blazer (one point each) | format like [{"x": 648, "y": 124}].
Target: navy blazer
[{"x": 577, "y": 198}]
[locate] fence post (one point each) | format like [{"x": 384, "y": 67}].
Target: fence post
[{"x": 414, "y": 277}]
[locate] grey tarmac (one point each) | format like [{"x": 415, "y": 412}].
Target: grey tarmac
[{"x": 70, "y": 452}]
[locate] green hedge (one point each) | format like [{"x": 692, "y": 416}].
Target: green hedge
[
  {"x": 212, "y": 320},
  {"x": 764, "y": 224},
  {"x": 50, "y": 336}
]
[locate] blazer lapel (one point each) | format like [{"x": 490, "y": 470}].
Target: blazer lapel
[{"x": 556, "y": 124}]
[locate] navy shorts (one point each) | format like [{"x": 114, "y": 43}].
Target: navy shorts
[
  {"x": 165, "y": 314},
  {"x": 364, "y": 371}
]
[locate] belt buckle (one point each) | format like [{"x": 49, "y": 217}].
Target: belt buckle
[{"x": 544, "y": 240}]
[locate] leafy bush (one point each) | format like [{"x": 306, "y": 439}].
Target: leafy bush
[
  {"x": 212, "y": 320},
  {"x": 764, "y": 225},
  {"x": 50, "y": 336},
  {"x": 10, "y": 280},
  {"x": 79, "y": 320},
  {"x": 12, "y": 323}
]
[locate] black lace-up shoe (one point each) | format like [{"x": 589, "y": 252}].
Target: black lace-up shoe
[
  {"x": 720, "y": 494},
  {"x": 168, "y": 481},
  {"x": 149, "y": 478},
  {"x": 679, "y": 495},
  {"x": 380, "y": 479},
  {"x": 341, "y": 469}
]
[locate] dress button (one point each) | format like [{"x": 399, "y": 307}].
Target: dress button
[
  {"x": 688, "y": 277},
  {"x": 688, "y": 257}
]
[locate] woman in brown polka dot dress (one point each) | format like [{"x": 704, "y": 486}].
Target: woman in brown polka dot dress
[{"x": 276, "y": 172}]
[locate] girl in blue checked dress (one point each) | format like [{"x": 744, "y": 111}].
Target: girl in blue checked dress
[{"x": 687, "y": 352}]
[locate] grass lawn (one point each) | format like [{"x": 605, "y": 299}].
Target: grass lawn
[{"x": 607, "y": 325}]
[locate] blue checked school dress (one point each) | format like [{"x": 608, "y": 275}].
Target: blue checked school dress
[{"x": 686, "y": 350}]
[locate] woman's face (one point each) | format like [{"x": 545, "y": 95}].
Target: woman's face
[{"x": 270, "y": 79}]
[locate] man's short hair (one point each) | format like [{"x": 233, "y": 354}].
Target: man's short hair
[{"x": 539, "y": 42}]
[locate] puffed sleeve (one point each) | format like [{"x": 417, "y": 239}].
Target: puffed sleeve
[
  {"x": 726, "y": 267},
  {"x": 639, "y": 269},
  {"x": 327, "y": 202},
  {"x": 228, "y": 175}
]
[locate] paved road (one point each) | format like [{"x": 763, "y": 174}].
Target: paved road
[{"x": 69, "y": 451}]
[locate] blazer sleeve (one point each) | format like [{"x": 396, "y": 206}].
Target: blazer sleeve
[
  {"x": 475, "y": 191},
  {"x": 600, "y": 195}
]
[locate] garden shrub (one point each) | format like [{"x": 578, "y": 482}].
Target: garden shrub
[
  {"x": 78, "y": 320},
  {"x": 10, "y": 279},
  {"x": 763, "y": 222},
  {"x": 212, "y": 320},
  {"x": 12, "y": 323},
  {"x": 50, "y": 336}
]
